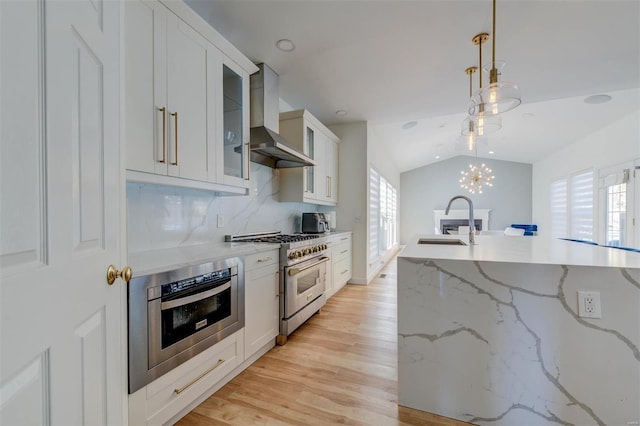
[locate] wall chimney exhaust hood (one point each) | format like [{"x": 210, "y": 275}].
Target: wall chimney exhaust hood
[{"x": 267, "y": 146}]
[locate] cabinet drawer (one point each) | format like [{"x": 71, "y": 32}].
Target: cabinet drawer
[
  {"x": 172, "y": 392},
  {"x": 341, "y": 272},
  {"x": 340, "y": 252},
  {"x": 262, "y": 259}
]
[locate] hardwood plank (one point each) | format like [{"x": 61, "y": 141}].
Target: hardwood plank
[{"x": 340, "y": 367}]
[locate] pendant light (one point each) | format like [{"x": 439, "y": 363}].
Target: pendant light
[
  {"x": 477, "y": 126},
  {"x": 498, "y": 97}
]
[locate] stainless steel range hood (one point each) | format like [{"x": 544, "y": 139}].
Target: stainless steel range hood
[{"x": 267, "y": 146}]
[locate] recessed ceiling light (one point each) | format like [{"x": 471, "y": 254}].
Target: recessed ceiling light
[
  {"x": 528, "y": 115},
  {"x": 597, "y": 99},
  {"x": 341, "y": 113},
  {"x": 491, "y": 152},
  {"x": 285, "y": 45},
  {"x": 437, "y": 157},
  {"x": 409, "y": 124}
]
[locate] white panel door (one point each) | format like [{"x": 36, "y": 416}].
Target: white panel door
[
  {"x": 187, "y": 101},
  {"x": 61, "y": 324}
]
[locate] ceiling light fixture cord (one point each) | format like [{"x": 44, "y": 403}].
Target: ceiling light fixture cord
[{"x": 493, "y": 74}]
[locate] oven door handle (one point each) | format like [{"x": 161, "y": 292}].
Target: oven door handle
[
  {"x": 296, "y": 271},
  {"x": 194, "y": 297}
]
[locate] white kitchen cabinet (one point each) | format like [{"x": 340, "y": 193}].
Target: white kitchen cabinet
[
  {"x": 341, "y": 254},
  {"x": 232, "y": 126},
  {"x": 311, "y": 184},
  {"x": 332, "y": 171},
  {"x": 261, "y": 300},
  {"x": 177, "y": 116},
  {"x": 168, "y": 397}
]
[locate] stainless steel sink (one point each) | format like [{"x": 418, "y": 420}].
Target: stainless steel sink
[{"x": 442, "y": 241}]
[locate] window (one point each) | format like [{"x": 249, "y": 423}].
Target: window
[
  {"x": 383, "y": 213},
  {"x": 616, "y": 215},
  {"x": 616, "y": 197},
  {"x": 572, "y": 207},
  {"x": 581, "y": 206},
  {"x": 559, "y": 209}
]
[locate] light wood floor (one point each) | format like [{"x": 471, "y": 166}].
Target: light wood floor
[{"x": 338, "y": 368}]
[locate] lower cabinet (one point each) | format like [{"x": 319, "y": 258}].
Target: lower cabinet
[
  {"x": 340, "y": 272},
  {"x": 165, "y": 398},
  {"x": 262, "y": 302},
  {"x": 171, "y": 396}
]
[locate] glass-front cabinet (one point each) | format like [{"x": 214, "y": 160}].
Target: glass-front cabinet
[
  {"x": 233, "y": 163},
  {"x": 309, "y": 150}
]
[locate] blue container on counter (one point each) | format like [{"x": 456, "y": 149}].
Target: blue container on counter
[{"x": 529, "y": 230}]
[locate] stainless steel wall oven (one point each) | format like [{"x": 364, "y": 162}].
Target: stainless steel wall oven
[{"x": 177, "y": 314}]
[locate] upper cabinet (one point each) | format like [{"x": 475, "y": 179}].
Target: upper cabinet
[
  {"x": 233, "y": 164},
  {"x": 312, "y": 184},
  {"x": 186, "y": 101}
]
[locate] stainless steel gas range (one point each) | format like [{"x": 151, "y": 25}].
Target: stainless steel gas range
[{"x": 303, "y": 263}]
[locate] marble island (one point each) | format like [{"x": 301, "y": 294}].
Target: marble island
[{"x": 490, "y": 333}]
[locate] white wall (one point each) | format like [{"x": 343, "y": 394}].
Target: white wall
[
  {"x": 431, "y": 187},
  {"x": 378, "y": 158},
  {"x": 611, "y": 145},
  {"x": 351, "y": 212}
]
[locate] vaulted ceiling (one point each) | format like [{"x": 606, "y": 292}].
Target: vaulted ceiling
[{"x": 394, "y": 61}]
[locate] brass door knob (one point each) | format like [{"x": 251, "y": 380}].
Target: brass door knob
[{"x": 112, "y": 274}]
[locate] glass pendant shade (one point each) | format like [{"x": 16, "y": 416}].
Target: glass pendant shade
[
  {"x": 481, "y": 125},
  {"x": 495, "y": 99}
]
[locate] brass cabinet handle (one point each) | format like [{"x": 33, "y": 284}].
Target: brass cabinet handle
[
  {"x": 344, "y": 239},
  {"x": 344, "y": 272},
  {"x": 178, "y": 391},
  {"x": 344, "y": 251},
  {"x": 264, "y": 259},
  {"x": 112, "y": 274},
  {"x": 175, "y": 115},
  {"x": 164, "y": 133},
  {"x": 328, "y": 186},
  {"x": 278, "y": 283}
]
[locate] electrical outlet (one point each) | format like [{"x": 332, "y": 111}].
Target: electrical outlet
[
  {"x": 589, "y": 304},
  {"x": 220, "y": 221}
]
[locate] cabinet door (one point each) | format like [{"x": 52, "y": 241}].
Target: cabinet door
[
  {"x": 261, "y": 307},
  {"x": 62, "y": 325},
  {"x": 145, "y": 86},
  {"x": 331, "y": 162},
  {"x": 320, "y": 169},
  {"x": 187, "y": 143},
  {"x": 232, "y": 137}
]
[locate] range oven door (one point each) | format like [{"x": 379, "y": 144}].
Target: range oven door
[{"x": 303, "y": 283}]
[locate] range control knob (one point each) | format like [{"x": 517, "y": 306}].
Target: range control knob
[
  {"x": 307, "y": 251},
  {"x": 299, "y": 253},
  {"x": 324, "y": 247},
  {"x": 293, "y": 255}
]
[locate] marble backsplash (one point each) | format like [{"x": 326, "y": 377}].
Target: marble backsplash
[{"x": 161, "y": 217}]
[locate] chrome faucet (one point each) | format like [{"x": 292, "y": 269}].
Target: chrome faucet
[{"x": 472, "y": 227}]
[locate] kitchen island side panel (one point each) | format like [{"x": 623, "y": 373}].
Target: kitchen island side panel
[{"x": 501, "y": 343}]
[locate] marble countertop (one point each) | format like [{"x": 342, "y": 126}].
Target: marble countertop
[
  {"x": 535, "y": 250},
  {"x": 153, "y": 261}
]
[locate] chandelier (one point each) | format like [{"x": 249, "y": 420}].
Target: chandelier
[
  {"x": 498, "y": 97},
  {"x": 474, "y": 179}
]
